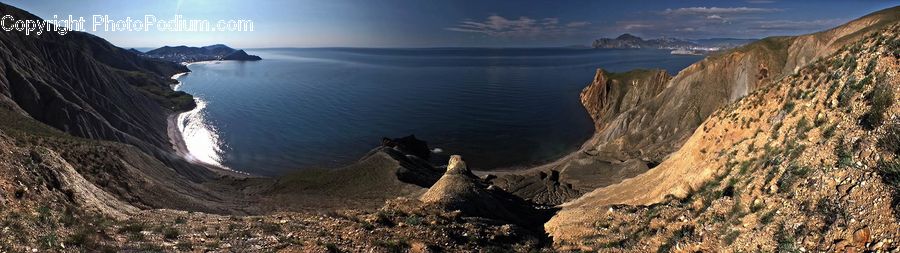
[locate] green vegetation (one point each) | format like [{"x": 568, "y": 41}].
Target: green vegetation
[
  {"x": 393, "y": 246},
  {"x": 871, "y": 66},
  {"x": 731, "y": 237},
  {"x": 767, "y": 217},
  {"x": 785, "y": 240},
  {"x": 880, "y": 99},
  {"x": 890, "y": 141},
  {"x": 169, "y": 233},
  {"x": 790, "y": 176},
  {"x": 828, "y": 132},
  {"x": 788, "y": 107},
  {"x": 844, "y": 158},
  {"x": 414, "y": 220},
  {"x": 890, "y": 173},
  {"x": 802, "y": 128},
  {"x": 677, "y": 236}
]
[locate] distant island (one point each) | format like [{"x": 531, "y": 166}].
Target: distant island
[
  {"x": 194, "y": 54},
  {"x": 679, "y": 46}
]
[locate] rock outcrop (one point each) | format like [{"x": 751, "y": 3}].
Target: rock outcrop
[
  {"x": 459, "y": 189},
  {"x": 410, "y": 145}
]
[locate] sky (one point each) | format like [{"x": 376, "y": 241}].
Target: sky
[{"x": 460, "y": 23}]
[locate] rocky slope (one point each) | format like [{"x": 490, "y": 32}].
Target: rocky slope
[
  {"x": 652, "y": 130},
  {"x": 806, "y": 163}
]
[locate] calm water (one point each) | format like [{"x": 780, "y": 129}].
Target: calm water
[{"x": 302, "y": 108}]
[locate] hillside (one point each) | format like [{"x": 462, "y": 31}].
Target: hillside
[
  {"x": 809, "y": 162},
  {"x": 630, "y": 140}
]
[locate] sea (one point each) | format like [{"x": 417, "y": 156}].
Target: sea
[{"x": 302, "y": 108}]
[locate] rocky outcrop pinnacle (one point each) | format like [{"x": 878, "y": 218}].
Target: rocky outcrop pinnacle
[{"x": 459, "y": 189}]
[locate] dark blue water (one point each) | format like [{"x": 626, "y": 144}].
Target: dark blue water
[{"x": 302, "y": 108}]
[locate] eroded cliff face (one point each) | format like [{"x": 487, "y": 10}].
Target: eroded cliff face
[{"x": 612, "y": 93}]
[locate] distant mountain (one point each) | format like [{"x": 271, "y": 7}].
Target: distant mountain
[
  {"x": 195, "y": 54},
  {"x": 723, "y": 42},
  {"x": 631, "y": 41}
]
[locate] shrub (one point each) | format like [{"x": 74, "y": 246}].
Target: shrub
[
  {"x": 829, "y": 131},
  {"x": 890, "y": 173},
  {"x": 132, "y": 228},
  {"x": 393, "y": 245},
  {"x": 880, "y": 99},
  {"x": 680, "y": 234},
  {"x": 790, "y": 176},
  {"x": 890, "y": 141},
  {"x": 169, "y": 233},
  {"x": 731, "y": 236},
  {"x": 767, "y": 217},
  {"x": 414, "y": 220},
  {"x": 788, "y": 106},
  {"x": 786, "y": 242},
  {"x": 842, "y": 155},
  {"x": 802, "y": 128},
  {"x": 871, "y": 66}
]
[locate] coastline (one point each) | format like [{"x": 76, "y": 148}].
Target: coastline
[{"x": 176, "y": 139}]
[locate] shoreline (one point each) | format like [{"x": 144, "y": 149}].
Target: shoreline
[{"x": 176, "y": 139}]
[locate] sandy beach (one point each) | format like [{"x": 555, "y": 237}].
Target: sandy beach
[{"x": 176, "y": 139}]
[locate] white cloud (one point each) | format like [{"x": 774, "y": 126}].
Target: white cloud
[
  {"x": 499, "y": 26},
  {"x": 578, "y": 24},
  {"x": 790, "y": 25},
  {"x": 636, "y": 26},
  {"x": 717, "y": 10}
]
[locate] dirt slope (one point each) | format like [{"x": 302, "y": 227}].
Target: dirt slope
[{"x": 804, "y": 162}]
